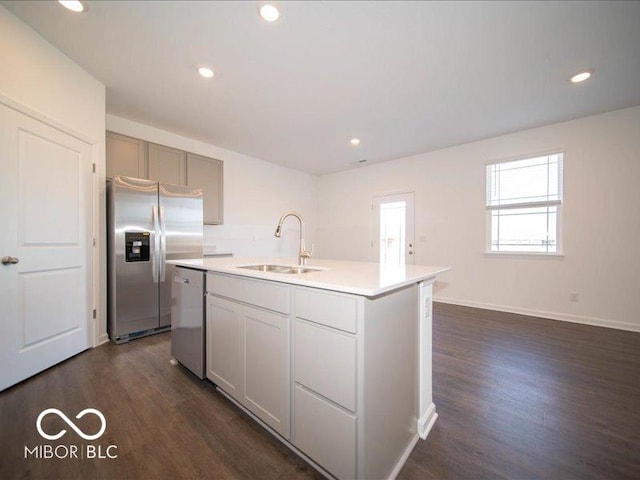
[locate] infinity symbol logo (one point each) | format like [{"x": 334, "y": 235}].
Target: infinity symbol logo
[{"x": 46, "y": 412}]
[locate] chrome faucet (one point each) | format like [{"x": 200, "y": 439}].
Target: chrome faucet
[{"x": 303, "y": 254}]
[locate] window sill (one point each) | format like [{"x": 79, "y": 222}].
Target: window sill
[{"x": 556, "y": 256}]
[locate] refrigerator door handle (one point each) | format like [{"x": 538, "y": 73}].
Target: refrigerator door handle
[
  {"x": 156, "y": 244},
  {"x": 163, "y": 246}
]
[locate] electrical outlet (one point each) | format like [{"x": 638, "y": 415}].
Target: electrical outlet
[{"x": 574, "y": 297}]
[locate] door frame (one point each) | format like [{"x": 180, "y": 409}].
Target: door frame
[
  {"x": 98, "y": 249},
  {"x": 374, "y": 232}
]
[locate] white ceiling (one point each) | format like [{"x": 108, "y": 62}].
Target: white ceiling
[{"x": 404, "y": 77}]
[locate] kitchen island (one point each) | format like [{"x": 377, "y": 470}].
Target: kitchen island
[{"x": 334, "y": 358}]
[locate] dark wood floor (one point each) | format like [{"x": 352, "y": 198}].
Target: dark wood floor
[
  {"x": 518, "y": 398},
  {"x": 528, "y": 398}
]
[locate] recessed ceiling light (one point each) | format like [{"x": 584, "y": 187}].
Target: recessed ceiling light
[
  {"x": 205, "y": 72},
  {"x": 580, "y": 77},
  {"x": 73, "y": 5},
  {"x": 354, "y": 141},
  {"x": 269, "y": 12}
]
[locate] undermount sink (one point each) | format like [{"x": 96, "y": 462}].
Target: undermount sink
[{"x": 281, "y": 268}]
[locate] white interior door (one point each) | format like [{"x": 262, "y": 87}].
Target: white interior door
[
  {"x": 393, "y": 229},
  {"x": 46, "y": 206}
]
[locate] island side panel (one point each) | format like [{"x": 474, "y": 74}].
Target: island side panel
[
  {"x": 426, "y": 410},
  {"x": 389, "y": 381}
]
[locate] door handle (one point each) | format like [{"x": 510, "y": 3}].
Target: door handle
[
  {"x": 9, "y": 260},
  {"x": 156, "y": 243},
  {"x": 163, "y": 245}
]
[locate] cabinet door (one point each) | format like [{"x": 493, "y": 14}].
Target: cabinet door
[
  {"x": 206, "y": 173},
  {"x": 126, "y": 156},
  {"x": 225, "y": 339},
  {"x": 266, "y": 360},
  {"x": 167, "y": 165}
]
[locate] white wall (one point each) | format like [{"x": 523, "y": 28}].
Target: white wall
[
  {"x": 35, "y": 75},
  {"x": 602, "y": 197},
  {"x": 601, "y": 223},
  {"x": 256, "y": 193}
]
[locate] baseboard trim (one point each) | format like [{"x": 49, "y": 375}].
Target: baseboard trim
[
  {"x": 564, "y": 317},
  {"x": 405, "y": 455},
  {"x": 426, "y": 422},
  {"x": 103, "y": 338}
]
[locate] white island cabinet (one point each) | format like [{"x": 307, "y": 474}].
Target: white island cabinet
[
  {"x": 248, "y": 345},
  {"x": 335, "y": 361}
]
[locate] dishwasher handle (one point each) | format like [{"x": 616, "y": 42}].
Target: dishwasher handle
[{"x": 181, "y": 280}]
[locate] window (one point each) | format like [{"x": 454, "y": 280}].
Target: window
[{"x": 524, "y": 200}]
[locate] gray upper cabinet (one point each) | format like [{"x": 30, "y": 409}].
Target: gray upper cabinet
[
  {"x": 207, "y": 173},
  {"x": 136, "y": 158},
  {"x": 126, "y": 156},
  {"x": 167, "y": 165}
]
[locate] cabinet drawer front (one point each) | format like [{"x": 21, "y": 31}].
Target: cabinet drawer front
[
  {"x": 325, "y": 433},
  {"x": 327, "y": 308},
  {"x": 269, "y": 295},
  {"x": 325, "y": 362}
]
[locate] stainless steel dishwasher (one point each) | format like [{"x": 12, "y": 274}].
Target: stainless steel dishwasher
[{"x": 187, "y": 319}]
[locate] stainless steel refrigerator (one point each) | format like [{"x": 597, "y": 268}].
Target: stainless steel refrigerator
[{"x": 148, "y": 223}]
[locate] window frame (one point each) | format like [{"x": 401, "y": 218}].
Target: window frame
[{"x": 558, "y": 204}]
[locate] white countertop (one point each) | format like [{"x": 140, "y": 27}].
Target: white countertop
[
  {"x": 360, "y": 278},
  {"x": 214, "y": 253},
  {"x": 214, "y": 250}
]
